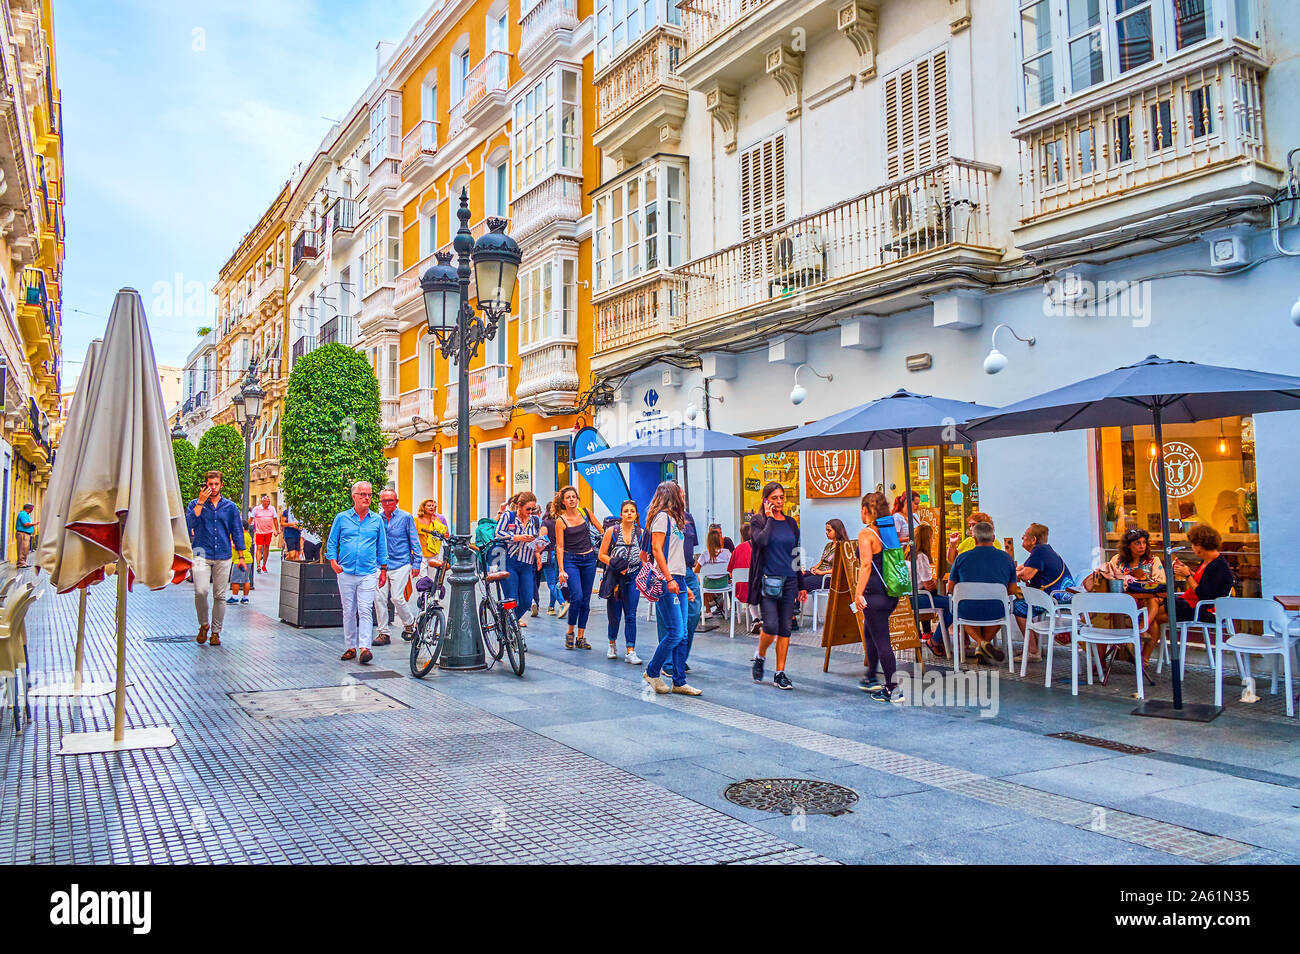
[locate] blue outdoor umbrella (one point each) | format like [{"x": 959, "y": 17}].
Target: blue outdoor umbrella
[
  {"x": 901, "y": 419},
  {"x": 1154, "y": 391}
]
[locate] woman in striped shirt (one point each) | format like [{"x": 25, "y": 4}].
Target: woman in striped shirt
[{"x": 518, "y": 528}]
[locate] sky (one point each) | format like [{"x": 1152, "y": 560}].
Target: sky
[{"x": 182, "y": 120}]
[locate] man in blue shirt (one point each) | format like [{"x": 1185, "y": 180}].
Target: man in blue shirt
[
  {"x": 404, "y": 557},
  {"x": 216, "y": 529},
  {"x": 983, "y": 563},
  {"x": 358, "y": 552},
  {"x": 26, "y": 529}
]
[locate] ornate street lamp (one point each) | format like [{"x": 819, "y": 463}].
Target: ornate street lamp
[
  {"x": 248, "y": 406},
  {"x": 178, "y": 432},
  {"x": 459, "y": 330}
]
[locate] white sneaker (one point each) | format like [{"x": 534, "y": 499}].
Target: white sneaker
[
  {"x": 613, "y": 652},
  {"x": 632, "y": 659}
]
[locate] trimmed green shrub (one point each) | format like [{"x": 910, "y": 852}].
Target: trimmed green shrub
[
  {"x": 222, "y": 449},
  {"x": 330, "y": 435},
  {"x": 186, "y": 456}
]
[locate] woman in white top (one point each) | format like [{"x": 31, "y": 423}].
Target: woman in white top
[
  {"x": 930, "y": 595},
  {"x": 900, "y": 515},
  {"x": 665, "y": 517},
  {"x": 711, "y": 565}
]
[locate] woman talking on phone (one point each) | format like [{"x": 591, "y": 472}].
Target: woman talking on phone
[
  {"x": 774, "y": 537},
  {"x": 874, "y": 602}
]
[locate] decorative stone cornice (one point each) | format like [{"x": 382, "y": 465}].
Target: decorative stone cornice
[
  {"x": 856, "y": 21},
  {"x": 786, "y": 67},
  {"x": 722, "y": 104}
]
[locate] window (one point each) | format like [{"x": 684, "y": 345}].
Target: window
[
  {"x": 429, "y": 232},
  {"x": 547, "y": 293},
  {"x": 1190, "y": 22},
  {"x": 393, "y": 248},
  {"x": 762, "y": 186},
  {"x": 385, "y": 128},
  {"x": 381, "y": 255},
  {"x": 461, "y": 61},
  {"x": 496, "y": 188},
  {"x": 916, "y": 115},
  {"x": 429, "y": 97},
  {"x": 1086, "y": 64},
  {"x": 620, "y": 23},
  {"x": 391, "y": 378},
  {"x": 548, "y": 110},
  {"x": 640, "y": 223},
  {"x": 498, "y": 32},
  {"x": 1036, "y": 54},
  {"x": 1134, "y": 40},
  {"x": 430, "y": 352},
  {"x": 345, "y": 291}
]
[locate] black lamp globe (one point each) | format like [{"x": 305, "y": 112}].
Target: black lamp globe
[
  {"x": 441, "y": 288},
  {"x": 496, "y": 266},
  {"x": 241, "y": 411}
]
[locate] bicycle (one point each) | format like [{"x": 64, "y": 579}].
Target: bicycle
[
  {"x": 501, "y": 631},
  {"x": 431, "y": 621}
]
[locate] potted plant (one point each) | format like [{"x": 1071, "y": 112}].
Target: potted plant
[
  {"x": 330, "y": 437},
  {"x": 1112, "y": 509},
  {"x": 1252, "y": 511}
]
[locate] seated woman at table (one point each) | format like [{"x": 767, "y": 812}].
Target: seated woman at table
[
  {"x": 1143, "y": 576},
  {"x": 929, "y": 595},
  {"x": 1043, "y": 569},
  {"x": 819, "y": 577},
  {"x": 1211, "y": 580}
]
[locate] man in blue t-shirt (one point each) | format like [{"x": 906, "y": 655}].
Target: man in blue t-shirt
[
  {"x": 1043, "y": 569},
  {"x": 983, "y": 563},
  {"x": 25, "y": 526}
]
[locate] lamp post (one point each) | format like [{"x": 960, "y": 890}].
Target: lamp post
[
  {"x": 248, "y": 407},
  {"x": 459, "y": 330}
]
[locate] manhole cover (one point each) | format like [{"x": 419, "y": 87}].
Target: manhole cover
[
  {"x": 367, "y": 674},
  {"x": 349, "y": 699},
  {"x": 169, "y": 639},
  {"x": 790, "y": 795},
  {"x": 1101, "y": 743}
]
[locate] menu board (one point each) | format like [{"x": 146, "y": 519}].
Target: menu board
[{"x": 903, "y": 636}]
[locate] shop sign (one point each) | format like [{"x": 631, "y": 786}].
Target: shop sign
[
  {"x": 1183, "y": 469},
  {"x": 833, "y": 473},
  {"x": 523, "y": 469}
]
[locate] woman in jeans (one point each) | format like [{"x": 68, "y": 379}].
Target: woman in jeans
[
  {"x": 774, "y": 579},
  {"x": 518, "y": 529},
  {"x": 621, "y": 546},
  {"x": 664, "y": 519},
  {"x": 577, "y": 561},
  {"x": 548, "y": 569},
  {"x": 874, "y": 602}
]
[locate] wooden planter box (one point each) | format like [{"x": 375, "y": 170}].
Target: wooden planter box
[{"x": 309, "y": 595}]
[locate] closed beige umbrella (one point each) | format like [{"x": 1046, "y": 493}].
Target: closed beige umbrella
[
  {"x": 123, "y": 497},
  {"x": 54, "y": 543}
]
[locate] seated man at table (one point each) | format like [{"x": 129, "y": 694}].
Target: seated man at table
[
  {"x": 983, "y": 563},
  {"x": 1043, "y": 569}
]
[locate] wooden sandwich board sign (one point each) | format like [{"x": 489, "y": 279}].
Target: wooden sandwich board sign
[
  {"x": 842, "y": 626},
  {"x": 903, "y": 636}
]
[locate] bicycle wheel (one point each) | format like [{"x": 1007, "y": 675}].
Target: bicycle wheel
[
  {"x": 427, "y": 645},
  {"x": 488, "y": 620},
  {"x": 513, "y": 641}
]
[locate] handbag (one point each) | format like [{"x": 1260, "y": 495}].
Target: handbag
[
  {"x": 650, "y": 582},
  {"x": 773, "y": 586},
  {"x": 593, "y": 532}
]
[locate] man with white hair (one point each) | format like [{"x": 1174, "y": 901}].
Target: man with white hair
[
  {"x": 358, "y": 552},
  {"x": 404, "y": 555}
]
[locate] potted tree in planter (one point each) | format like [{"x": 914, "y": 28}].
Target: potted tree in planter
[
  {"x": 1112, "y": 509},
  {"x": 330, "y": 438}
]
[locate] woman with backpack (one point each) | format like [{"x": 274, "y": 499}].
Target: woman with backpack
[
  {"x": 664, "y": 520},
  {"x": 872, "y": 599},
  {"x": 620, "y": 551},
  {"x": 575, "y": 554},
  {"x": 518, "y": 528},
  {"x": 774, "y": 579}
]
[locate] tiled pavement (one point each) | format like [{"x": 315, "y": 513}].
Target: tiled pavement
[{"x": 576, "y": 763}]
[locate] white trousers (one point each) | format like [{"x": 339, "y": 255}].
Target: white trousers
[
  {"x": 357, "y": 594},
  {"x": 209, "y": 575},
  {"x": 395, "y": 586}
]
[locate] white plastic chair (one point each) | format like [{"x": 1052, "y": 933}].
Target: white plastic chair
[
  {"x": 817, "y": 597},
  {"x": 925, "y": 609},
  {"x": 1083, "y": 632},
  {"x": 739, "y": 575},
  {"x": 728, "y": 591},
  {"x": 1275, "y": 641},
  {"x": 985, "y": 592},
  {"x": 1056, "y": 618},
  {"x": 1206, "y": 627}
]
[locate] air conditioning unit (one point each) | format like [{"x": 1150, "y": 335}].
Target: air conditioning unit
[
  {"x": 915, "y": 217},
  {"x": 799, "y": 257}
]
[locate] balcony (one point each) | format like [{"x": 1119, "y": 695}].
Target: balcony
[
  {"x": 377, "y": 314},
  {"x": 641, "y": 317},
  {"x": 727, "y": 42},
  {"x": 940, "y": 215},
  {"x": 195, "y": 404},
  {"x": 548, "y": 377},
  {"x": 305, "y": 249},
  {"x": 341, "y": 329},
  {"x": 385, "y": 176},
  {"x": 269, "y": 294},
  {"x": 485, "y": 89},
  {"x": 343, "y": 215},
  {"x": 417, "y": 403},
  {"x": 388, "y": 414},
  {"x": 407, "y": 290},
  {"x": 304, "y": 345},
  {"x": 545, "y": 31},
  {"x": 640, "y": 100},
  {"x": 556, "y": 199},
  {"x": 419, "y": 146},
  {"x": 1181, "y": 138},
  {"x": 489, "y": 397},
  {"x": 36, "y": 316}
]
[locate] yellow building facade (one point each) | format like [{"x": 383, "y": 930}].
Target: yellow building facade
[
  {"x": 31, "y": 259},
  {"x": 251, "y": 291}
]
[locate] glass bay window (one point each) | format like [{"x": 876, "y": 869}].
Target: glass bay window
[
  {"x": 547, "y": 302},
  {"x": 640, "y": 222},
  {"x": 547, "y": 129}
]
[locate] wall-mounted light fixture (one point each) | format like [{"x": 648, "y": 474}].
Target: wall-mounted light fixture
[
  {"x": 995, "y": 361},
  {"x": 798, "y": 394}
]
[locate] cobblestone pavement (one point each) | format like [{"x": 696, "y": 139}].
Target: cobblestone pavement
[{"x": 283, "y": 756}]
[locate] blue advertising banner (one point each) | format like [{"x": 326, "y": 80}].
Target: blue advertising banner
[{"x": 606, "y": 480}]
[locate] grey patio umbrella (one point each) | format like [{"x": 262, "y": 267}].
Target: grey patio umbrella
[
  {"x": 901, "y": 419},
  {"x": 683, "y": 442},
  {"x": 1154, "y": 391}
]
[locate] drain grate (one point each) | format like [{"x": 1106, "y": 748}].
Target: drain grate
[
  {"x": 790, "y": 795},
  {"x": 169, "y": 639},
  {"x": 349, "y": 699},
  {"x": 1101, "y": 743},
  {"x": 365, "y": 674}
]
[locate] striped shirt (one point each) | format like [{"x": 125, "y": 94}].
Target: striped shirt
[{"x": 510, "y": 525}]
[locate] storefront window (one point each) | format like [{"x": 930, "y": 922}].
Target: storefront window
[
  {"x": 757, "y": 470},
  {"x": 947, "y": 480},
  {"x": 1210, "y": 473}
]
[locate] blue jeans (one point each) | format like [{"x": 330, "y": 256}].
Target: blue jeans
[
  {"x": 581, "y": 570},
  {"x": 671, "y": 613},
  {"x": 519, "y": 585},
  {"x": 550, "y": 572},
  {"x": 693, "y": 610},
  {"x": 942, "y": 604},
  {"x": 623, "y": 604}
]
